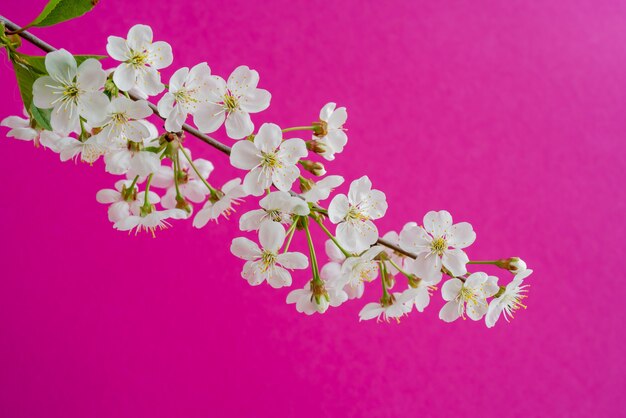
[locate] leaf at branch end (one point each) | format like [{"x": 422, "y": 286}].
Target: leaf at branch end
[{"x": 57, "y": 11}]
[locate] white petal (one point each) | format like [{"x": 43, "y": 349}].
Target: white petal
[
  {"x": 414, "y": 239},
  {"x": 117, "y": 48},
  {"x": 139, "y": 36},
  {"x": 245, "y": 249},
  {"x": 125, "y": 77},
  {"x": 338, "y": 208},
  {"x": 279, "y": 277},
  {"x": 268, "y": 138},
  {"x": 284, "y": 177},
  {"x": 242, "y": 79},
  {"x": 338, "y": 118},
  {"x": 451, "y": 289},
  {"x": 370, "y": 311},
  {"x": 61, "y": 65},
  {"x": 461, "y": 235},
  {"x": 437, "y": 223},
  {"x": 292, "y": 150},
  {"x": 271, "y": 236},
  {"x": 43, "y": 95},
  {"x": 455, "y": 261},
  {"x": 243, "y": 155},
  {"x": 293, "y": 260},
  {"x": 238, "y": 125},
  {"x": 92, "y": 105},
  {"x": 91, "y": 76},
  {"x": 450, "y": 312},
  {"x": 160, "y": 55},
  {"x": 251, "y": 221},
  {"x": 209, "y": 117},
  {"x": 255, "y": 101}
]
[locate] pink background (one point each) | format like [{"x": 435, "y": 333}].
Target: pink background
[{"x": 510, "y": 114}]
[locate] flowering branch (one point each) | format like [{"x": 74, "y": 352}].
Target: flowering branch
[{"x": 81, "y": 111}]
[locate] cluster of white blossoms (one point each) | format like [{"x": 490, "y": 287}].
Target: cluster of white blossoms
[{"x": 94, "y": 112}]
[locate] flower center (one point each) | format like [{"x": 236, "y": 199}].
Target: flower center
[
  {"x": 513, "y": 301},
  {"x": 138, "y": 58},
  {"x": 355, "y": 214},
  {"x": 91, "y": 152},
  {"x": 275, "y": 215},
  {"x": 230, "y": 103},
  {"x": 268, "y": 259},
  {"x": 119, "y": 118},
  {"x": 185, "y": 97},
  {"x": 467, "y": 295},
  {"x": 270, "y": 160},
  {"x": 71, "y": 92},
  {"x": 439, "y": 245}
]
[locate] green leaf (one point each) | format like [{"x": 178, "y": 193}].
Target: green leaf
[
  {"x": 41, "y": 116},
  {"x": 57, "y": 11},
  {"x": 29, "y": 68}
]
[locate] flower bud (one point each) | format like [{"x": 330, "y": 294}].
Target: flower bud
[
  {"x": 320, "y": 128},
  {"x": 315, "y": 146},
  {"x": 306, "y": 184},
  {"x": 110, "y": 89},
  {"x": 313, "y": 167},
  {"x": 513, "y": 264}
]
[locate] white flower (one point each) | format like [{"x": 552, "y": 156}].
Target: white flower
[
  {"x": 418, "y": 296},
  {"x": 268, "y": 160},
  {"x": 331, "y": 272},
  {"x": 233, "y": 101},
  {"x": 141, "y": 58},
  {"x": 232, "y": 193},
  {"x": 321, "y": 189},
  {"x": 438, "y": 243},
  {"x": 131, "y": 158},
  {"x": 124, "y": 202},
  {"x": 124, "y": 123},
  {"x": 356, "y": 270},
  {"x": 307, "y": 303},
  {"x": 393, "y": 309},
  {"x": 335, "y": 138},
  {"x": 473, "y": 293},
  {"x": 353, "y": 214},
  {"x": 88, "y": 151},
  {"x": 278, "y": 206},
  {"x": 188, "y": 91},
  {"x": 267, "y": 263},
  {"x": 190, "y": 185},
  {"x": 71, "y": 92},
  {"x": 156, "y": 219},
  {"x": 509, "y": 301}
]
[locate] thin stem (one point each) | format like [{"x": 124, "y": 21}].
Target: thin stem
[
  {"x": 290, "y": 233},
  {"x": 200, "y": 176},
  {"x": 483, "y": 262},
  {"x": 299, "y": 128},
  {"x": 176, "y": 167},
  {"x": 383, "y": 279},
  {"x": 146, "y": 197},
  {"x": 332, "y": 237},
  {"x": 316, "y": 273},
  {"x": 400, "y": 269},
  {"x": 132, "y": 185}
]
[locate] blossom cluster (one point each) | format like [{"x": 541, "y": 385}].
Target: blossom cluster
[{"x": 95, "y": 112}]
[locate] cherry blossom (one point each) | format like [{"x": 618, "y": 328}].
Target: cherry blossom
[
  {"x": 266, "y": 263},
  {"x": 72, "y": 92},
  {"x": 320, "y": 190},
  {"x": 329, "y": 131},
  {"x": 190, "y": 184},
  {"x": 438, "y": 244},
  {"x": 268, "y": 159},
  {"x": 123, "y": 201},
  {"x": 510, "y": 300},
  {"x": 188, "y": 91},
  {"x": 132, "y": 158},
  {"x": 150, "y": 221},
  {"x": 356, "y": 270},
  {"x": 141, "y": 58},
  {"x": 89, "y": 151},
  {"x": 124, "y": 121},
  {"x": 467, "y": 296},
  {"x": 394, "y": 309},
  {"x": 316, "y": 298},
  {"x": 353, "y": 215},
  {"x": 278, "y": 206},
  {"x": 230, "y": 194},
  {"x": 233, "y": 101}
]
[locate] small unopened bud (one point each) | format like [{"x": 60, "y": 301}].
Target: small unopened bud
[
  {"x": 320, "y": 128},
  {"x": 110, "y": 89},
  {"x": 315, "y": 146},
  {"x": 313, "y": 167},
  {"x": 181, "y": 203},
  {"x": 306, "y": 184},
  {"x": 320, "y": 295},
  {"x": 513, "y": 264}
]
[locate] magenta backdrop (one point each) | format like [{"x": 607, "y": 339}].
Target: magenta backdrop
[{"x": 509, "y": 114}]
